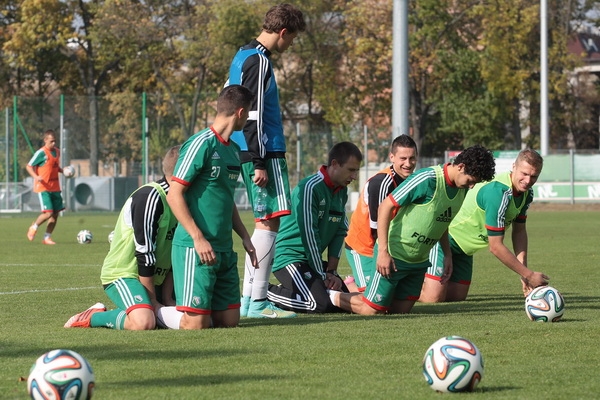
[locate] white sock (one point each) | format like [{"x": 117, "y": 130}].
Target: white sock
[
  {"x": 264, "y": 244},
  {"x": 334, "y": 296},
  {"x": 168, "y": 317}
]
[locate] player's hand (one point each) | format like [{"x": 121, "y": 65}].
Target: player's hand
[
  {"x": 333, "y": 282},
  {"x": 385, "y": 264},
  {"x": 526, "y": 288},
  {"x": 251, "y": 251},
  {"x": 536, "y": 279},
  {"x": 260, "y": 177},
  {"x": 205, "y": 252}
]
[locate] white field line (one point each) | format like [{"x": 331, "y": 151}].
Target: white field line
[{"x": 49, "y": 290}]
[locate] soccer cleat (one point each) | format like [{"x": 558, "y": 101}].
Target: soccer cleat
[
  {"x": 31, "y": 233},
  {"x": 48, "y": 241},
  {"x": 245, "y": 304},
  {"x": 82, "y": 320},
  {"x": 266, "y": 309}
]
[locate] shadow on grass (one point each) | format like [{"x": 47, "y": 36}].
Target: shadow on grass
[{"x": 193, "y": 380}]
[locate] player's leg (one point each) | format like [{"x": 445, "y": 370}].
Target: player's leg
[
  {"x": 226, "y": 293},
  {"x": 301, "y": 290},
  {"x": 408, "y": 287},
  {"x": 462, "y": 272},
  {"x": 46, "y": 212},
  {"x": 433, "y": 291},
  {"x": 194, "y": 283},
  {"x": 130, "y": 295},
  {"x": 362, "y": 268}
]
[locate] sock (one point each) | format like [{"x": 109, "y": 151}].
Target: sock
[
  {"x": 334, "y": 296},
  {"x": 34, "y": 226},
  {"x": 264, "y": 243},
  {"x": 113, "y": 319},
  {"x": 168, "y": 317},
  {"x": 47, "y": 235}
]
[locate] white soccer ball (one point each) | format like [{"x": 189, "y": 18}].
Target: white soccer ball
[
  {"x": 61, "y": 375},
  {"x": 544, "y": 304},
  {"x": 84, "y": 237},
  {"x": 453, "y": 364},
  {"x": 69, "y": 171},
  {"x": 111, "y": 236}
]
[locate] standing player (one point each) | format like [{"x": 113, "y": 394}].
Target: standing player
[
  {"x": 318, "y": 223},
  {"x": 362, "y": 232},
  {"x": 139, "y": 258},
  {"x": 44, "y": 167},
  {"x": 412, "y": 219},
  {"x": 201, "y": 197},
  {"x": 489, "y": 209},
  {"x": 262, "y": 142}
]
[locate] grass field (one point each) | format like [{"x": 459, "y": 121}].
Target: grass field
[{"x": 313, "y": 356}]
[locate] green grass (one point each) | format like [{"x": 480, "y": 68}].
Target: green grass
[{"x": 313, "y": 356}]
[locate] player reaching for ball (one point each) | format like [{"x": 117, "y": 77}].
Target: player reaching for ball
[
  {"x": 138, "y": 260},
  {"x": 489, "y": 209}
]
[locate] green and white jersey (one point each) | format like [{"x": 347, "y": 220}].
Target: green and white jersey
[
  {"x": 318, "y": 222},
  {"x": 209, "y": 167},
  {"x": 489, "y": 208},
  {"x": 144, "y": 232},
  {"x": 427, "y": 202}
]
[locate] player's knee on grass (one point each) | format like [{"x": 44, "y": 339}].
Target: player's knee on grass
[
  {"x": 141, "y": 319},
  {"x": 191, "y": 321},
  {"x": 226, "y": 319},
  {"x": 433, "y": 291}
]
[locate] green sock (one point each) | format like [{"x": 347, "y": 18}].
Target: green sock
[{"x": 113, "y": 319}]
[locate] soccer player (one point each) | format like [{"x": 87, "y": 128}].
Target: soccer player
[
  {"x": 318, "y": 223},
  {"x": 489, "y": 209},
  {"x": 201, "y": 197},
  {"x": 411, "y": 220},
  {"x": 44, "y": 167},
  {"x": 362, "y": 232},
  {"x": 262, "y": 142},
  {"x": 139, "y": 258}
]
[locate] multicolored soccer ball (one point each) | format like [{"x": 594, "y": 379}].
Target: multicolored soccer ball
[
  {"x": 68, "y": 171},
  {"x": 61, "y": 375},
  {"x": 544, "y": 304},
  {"x": 84, "y": 237},
  {"x": 453, "y": 364}
]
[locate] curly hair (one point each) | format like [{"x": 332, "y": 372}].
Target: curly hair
[{"x": 479, "y": 162}]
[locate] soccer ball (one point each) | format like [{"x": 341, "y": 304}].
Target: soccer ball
[
  {"x": 84, "y": 237},
  {"x": 111, "y": 236},
  {"x": 453, "y": 364},
  {"x": 69, "y": 171},
  {"x": 544, "y": 304},
  {"x": 61, "y": 375}
]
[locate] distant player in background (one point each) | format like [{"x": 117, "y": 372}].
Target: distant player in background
[
  {"x": 205, "y": 271},
  {"x": 262, "y": 142},
  {"x": 362, "y": 232},
  {"x": 44, "y": 167},
  {"x": 139, "y": 258},
  {"x": 318, "y": 223},
  {"x": 489, "y": 209},
  {"x": 412, "y": 219}
]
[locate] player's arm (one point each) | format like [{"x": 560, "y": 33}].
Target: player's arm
[
  {"x": 385, "y": 264},
  {"x": 146, "y": 209},
  {"x": 242, "y": 232},
  {"x": 255, "y": 77},
  {"x": 31, "y": 167},
  {"x": 306, "y": 213},
  {"x": 376, "y": 193},
  {"x": 445, "y": 244},
  {"x": 333, "y": 280},
  {"x": 506, "y": 257},
  {"x": 180, "y": 210}
]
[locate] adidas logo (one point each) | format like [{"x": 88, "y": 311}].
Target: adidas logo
[
  {"x": 322, "y": 203},
  {"x": 446, "y": 216},
  {"x": 216, "y": 156}
]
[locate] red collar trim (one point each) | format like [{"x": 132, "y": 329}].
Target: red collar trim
[
  {"x": 447, "y": 177},
  {"x": 219, "y": 137}
]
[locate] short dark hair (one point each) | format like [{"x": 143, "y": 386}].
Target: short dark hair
[
  {"x": 49, "y": 132},
  {"x": 531, "y": 157},
  {"x": 168, "y": 163},
  {"x": 479, "y": 162},
  {"x": 284, "y": 16},
  {"x": 403, "y": 141},
  {"x": 341, "y": 152},
  {"x": 232, "y": 98}
]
